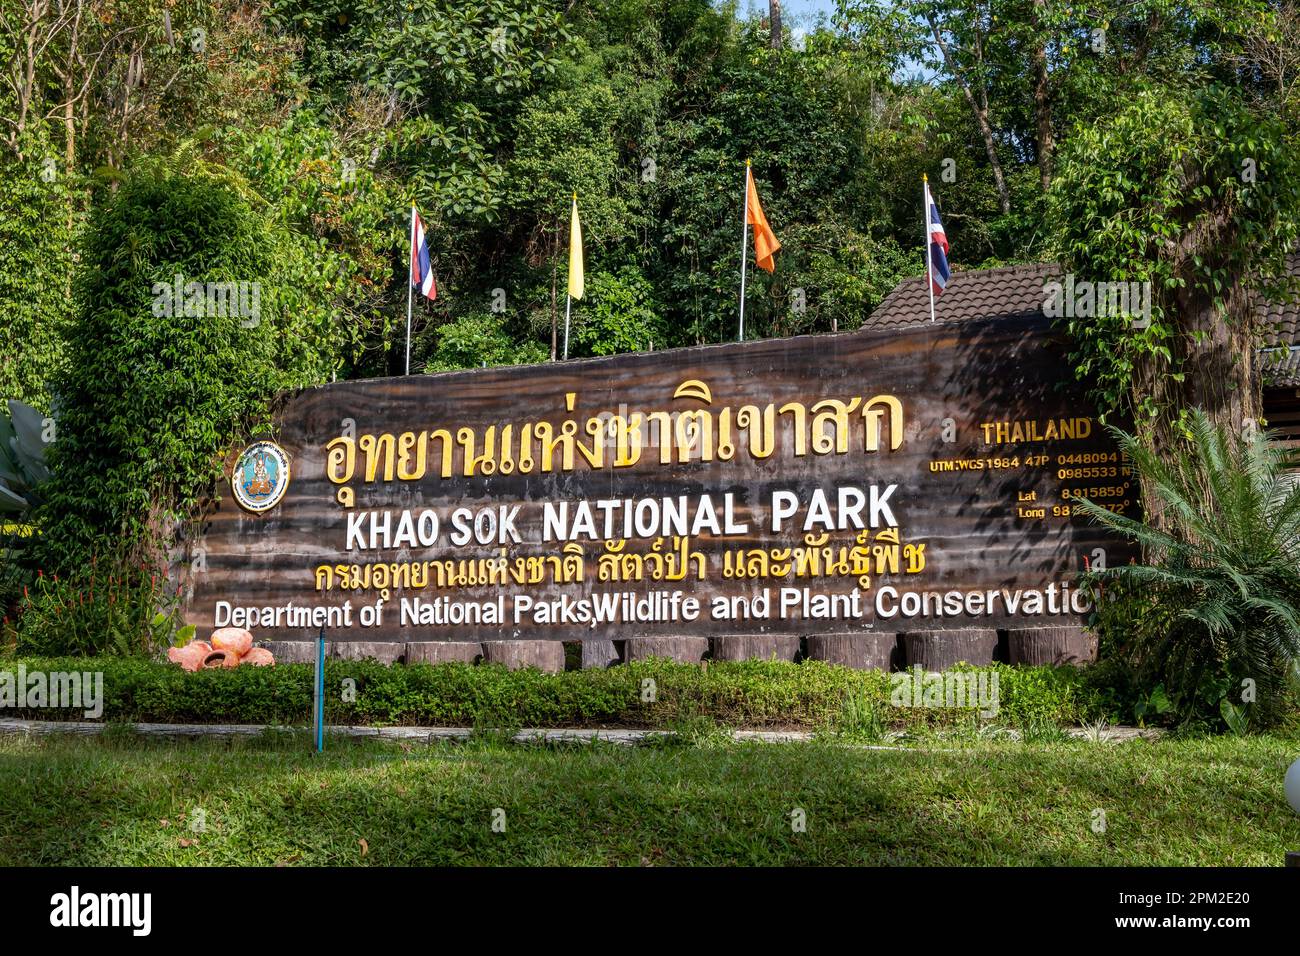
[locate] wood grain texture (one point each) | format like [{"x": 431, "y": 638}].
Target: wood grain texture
[
  {"x": 547, "y": 656},
  {"x": 1051, "y": 645},
  {"x": 879, "y": 650},
  {"x": 440, "y": 652},
  {"x": 762, "y": 647},
  {"x": 598, "y": 654},
  {"x": 685, "y": 650},
  {"x": 940, "y": 650},
  {"x": 953, "y": 381}
]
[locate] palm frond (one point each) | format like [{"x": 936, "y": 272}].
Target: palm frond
[{"x": 1224, "y": 571}]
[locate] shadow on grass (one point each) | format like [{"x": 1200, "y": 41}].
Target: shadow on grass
[{"x": 269, "y": 801}]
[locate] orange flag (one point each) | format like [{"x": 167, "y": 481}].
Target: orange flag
[{"x": 765, "y": 241}]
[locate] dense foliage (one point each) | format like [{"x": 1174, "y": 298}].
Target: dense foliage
[
  {"x": 282, "y": 143},
  {"x": 157, "y": 384},
  {"x": 1213, "y": 615},
  {"x": 1199, "y": 196}
]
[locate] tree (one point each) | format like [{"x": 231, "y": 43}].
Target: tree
[
  {"x": 1199, "y": 196},
  {"x": 158, "y": 384}
]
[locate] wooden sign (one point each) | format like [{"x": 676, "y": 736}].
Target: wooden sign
[{"x": 894, "y": 480}]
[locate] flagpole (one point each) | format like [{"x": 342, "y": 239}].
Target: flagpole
[
  {"x": 568, "y": 289},
  {"x": 929, "y": 265},
  {"x": 568, "y": 304},
  {"x": 410, "y": 257},
  {"x": 744, "y": 255}
]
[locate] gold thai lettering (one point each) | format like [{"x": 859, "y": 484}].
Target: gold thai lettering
[
  {"x": 626, "y": 432},
  {"x": 478, "y": 463},
  {"x": 340, "y": 460},
  {"x": 696, "y": 434},
  {"x": 871, "y": 416},
  {"x": 378, "y": 449},
  {"x": 408, "y": 470},
  {"x": 799, "y": 414},
  {"x": 761, "y": 425},
  {"x": 832, "y": 412}
]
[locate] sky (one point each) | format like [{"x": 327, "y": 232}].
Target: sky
[{"x": 797, "y": 10}]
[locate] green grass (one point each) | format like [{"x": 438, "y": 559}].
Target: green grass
[{"x": 104, "y": 801}]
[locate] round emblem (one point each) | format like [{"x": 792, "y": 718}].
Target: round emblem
[{"x": 261, "y": 476}]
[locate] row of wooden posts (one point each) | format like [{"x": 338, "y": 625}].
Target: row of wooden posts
[{"x": 884, "y": 650}]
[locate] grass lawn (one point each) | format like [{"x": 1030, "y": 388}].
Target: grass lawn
[{"x": 124, "y": 800}]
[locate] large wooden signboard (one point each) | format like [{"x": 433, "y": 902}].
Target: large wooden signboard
[{"x": 916, "y": 479}]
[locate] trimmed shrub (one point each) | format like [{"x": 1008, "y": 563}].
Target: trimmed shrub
[{"x": 810, "y": 695}]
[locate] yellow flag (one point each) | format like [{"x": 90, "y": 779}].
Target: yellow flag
[{"x": 577, "y": 281}]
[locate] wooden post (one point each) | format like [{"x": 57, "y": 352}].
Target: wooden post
[
  {"x": 940, "y": 650},
  {"x": 869, "y": 651},
  {"x": 684, "y": 650},
  {"x": 440, "y": 652},
  {"x": 744, "y": 647},
  {"x": 292, "y": 652},
  {"x": 547, "y": 656},
  {"x": 598, "y": 653},
  {"x": 1053, "y": 645},
  {"x": 386, "y": 652}
]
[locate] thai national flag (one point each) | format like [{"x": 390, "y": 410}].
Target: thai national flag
[
  {"x": 421, "y": 270},
  {"x": 938, "y": 240}
]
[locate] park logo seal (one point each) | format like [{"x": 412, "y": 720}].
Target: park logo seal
[{"x": 260, "y": 477}]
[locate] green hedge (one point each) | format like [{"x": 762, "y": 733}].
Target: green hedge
[{"x": 808, "y": 695}]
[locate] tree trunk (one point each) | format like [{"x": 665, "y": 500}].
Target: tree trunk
[
  {"x": 1221, "y": 375},
  {"x": 1214, "y": 346},
  {"x": 981, "y": 113},
  {"x": 1042, "y": 98},
  {"x": 554, "y": 322},
  {"x": 774, "y": 17}
]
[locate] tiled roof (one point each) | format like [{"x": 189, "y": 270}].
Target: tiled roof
[
  {"x": 1282, "y": 337},
  {"x": 977, "y": 294},
  {"x": 1018, "y": 290}
]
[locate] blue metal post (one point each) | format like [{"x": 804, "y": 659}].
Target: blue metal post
[{"x": 318, "y": 708}]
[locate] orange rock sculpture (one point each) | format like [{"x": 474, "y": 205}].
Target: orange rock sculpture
[
  {"x": 221, "y": 659},
  {"x": 258, "y": 657},
  {"x": 230, "y": 647},
  {"x": 191, "y": 656},
  {"x": 234, "y": 640}
]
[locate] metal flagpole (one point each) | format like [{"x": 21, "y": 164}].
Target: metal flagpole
[
  {"x": 744, "y": 255},
  {"x": 410, "y": 259},
  {"x": 568, "y": 290},
  {"x": 929, "y": 265},
  {"x": 568, "y": 304},
  {"x": 318, "y": 693}
]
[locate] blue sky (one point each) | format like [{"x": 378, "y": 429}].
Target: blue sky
[{"x": 796, "y": 10}]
